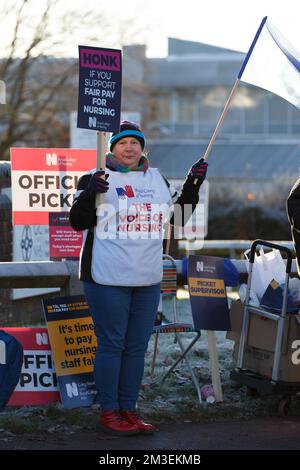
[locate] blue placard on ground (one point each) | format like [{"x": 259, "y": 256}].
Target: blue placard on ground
[
  {"x": 208, "y": 293},
  {"x": 100, "y": 85}
]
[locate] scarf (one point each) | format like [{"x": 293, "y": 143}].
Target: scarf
[{"x": 113, "y": 164}]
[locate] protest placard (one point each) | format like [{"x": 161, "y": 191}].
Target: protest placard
[
  {"x": 208, "y": 293},
  {"x": 74, "y": 344},
  {"x": 38, "y": 382},
  {"x": 100, "y": 85},
  {"x": 64, "y": 241},
  {"x": 44, "y": 180}
]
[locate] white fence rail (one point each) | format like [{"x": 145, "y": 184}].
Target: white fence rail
[
  {"x": 64, "y": 274},
  {"x": 32, "y": 274},
  {"x": 233, "y": 246}
]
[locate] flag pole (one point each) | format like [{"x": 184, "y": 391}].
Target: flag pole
[
  {"x": 101, "y": 161},
  {"x": 224, "y": 112},
  {"x": 262, "y": 24},
  {"x": 221, "y": 119}
]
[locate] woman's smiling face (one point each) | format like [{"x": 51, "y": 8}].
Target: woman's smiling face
[{"x": 128, "y": 151}]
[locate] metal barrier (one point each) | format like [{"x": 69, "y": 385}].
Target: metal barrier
[{"x": 64, "y": 274}]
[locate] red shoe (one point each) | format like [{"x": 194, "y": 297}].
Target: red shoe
[
  {"x": 113, "y": 423},
  {"x": 132, "y": 418}
]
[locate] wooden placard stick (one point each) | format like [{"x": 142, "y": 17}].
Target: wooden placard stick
[
  {"x": 214, "y": 364},
  {"x": 101, "y": 161}
]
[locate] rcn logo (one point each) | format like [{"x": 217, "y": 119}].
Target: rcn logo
[
  {"x": 92, "y": 121},
  {"x": 125, "y": 192},
  {"x": 72, "y": 389},
  {"x": 51, "y": 159},
  {"x": 41, "y": 338},
  {"x": 200, "y": 266}
]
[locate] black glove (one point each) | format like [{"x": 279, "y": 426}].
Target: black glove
[
  {"x": 198, "y": 170},
  {"x": 97, "y": 184}
]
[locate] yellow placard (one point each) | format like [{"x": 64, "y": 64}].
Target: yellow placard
[
  {"x": 205, "y": 287},
  {"x": 74, "y": 345}
]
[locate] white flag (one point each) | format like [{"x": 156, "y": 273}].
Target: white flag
[{"x": 273, "y": 63}]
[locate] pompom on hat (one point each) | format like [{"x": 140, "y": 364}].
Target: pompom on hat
[{"x": 127, "y": 129}]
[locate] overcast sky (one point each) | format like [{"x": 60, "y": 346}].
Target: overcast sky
[{"x": 226, "y": 23}]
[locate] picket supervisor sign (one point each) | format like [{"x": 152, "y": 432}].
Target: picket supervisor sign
[
  {"x": 100, "y": 84},
  {"x": 208, "y": 293}
]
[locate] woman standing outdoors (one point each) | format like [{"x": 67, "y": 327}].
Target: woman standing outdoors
[{"x": 121, "y": 268}]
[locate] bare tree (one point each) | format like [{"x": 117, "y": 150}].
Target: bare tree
[{"x": 41, "y": 87}]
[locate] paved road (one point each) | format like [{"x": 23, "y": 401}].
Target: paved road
[{"x": 262, "y": 433}]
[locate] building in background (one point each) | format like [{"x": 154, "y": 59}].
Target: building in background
[
  {"x": 178, "y": 100},
  {"x": 256, "y": 156},
  {"x": 188, "y": 90}
]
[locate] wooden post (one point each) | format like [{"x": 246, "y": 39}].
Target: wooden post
[
  {"x": 154, "y": 356},
  {"x": 101, "y": 160},
  {"x": 214, "y": 364},
  {"x": 169, "y": 235}
]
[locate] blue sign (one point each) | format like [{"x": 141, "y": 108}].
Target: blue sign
[
  {"x": 100, "y": 85},
  {"x": 208, "y": 293}
]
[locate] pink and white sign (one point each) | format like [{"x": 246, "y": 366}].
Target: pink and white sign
[
  {"x": 44, "y": 180},
  {"x": 64, "y": 241},
  {"x": 38, "y": 382}
]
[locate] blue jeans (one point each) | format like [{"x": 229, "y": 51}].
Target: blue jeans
[{"x": 123, "y": 319}]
